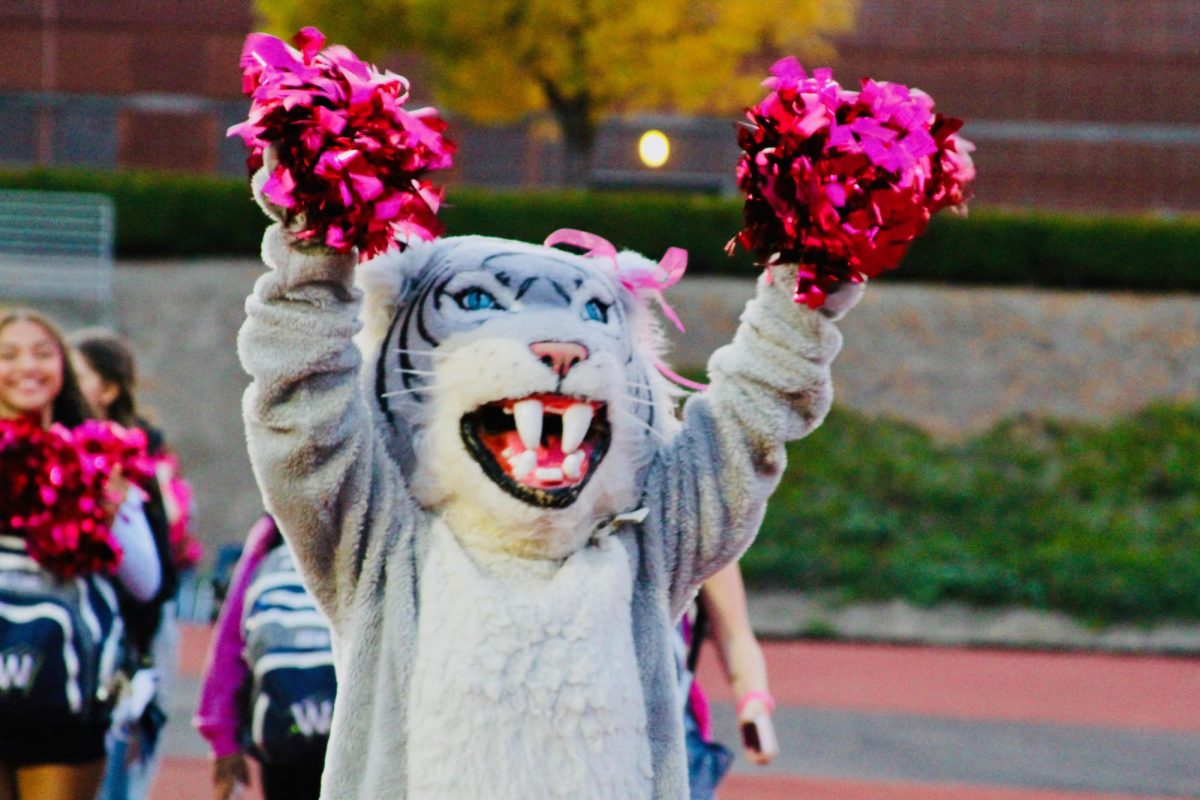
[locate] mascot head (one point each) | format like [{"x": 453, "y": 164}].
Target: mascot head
[{"x": 521, "y": 384}]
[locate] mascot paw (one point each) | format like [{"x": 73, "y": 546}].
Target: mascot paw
[
  {"x": 835, "y": 305},
  {"x": 843, "y": 299},
  {"x": 259, "y": 180},
  {"x": 292, "y": 222}
]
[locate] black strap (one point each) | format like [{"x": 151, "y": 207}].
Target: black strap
[{"x": 699, "y": 631}]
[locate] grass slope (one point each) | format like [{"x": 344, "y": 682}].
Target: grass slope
[{"x": 1099, "y": 521}]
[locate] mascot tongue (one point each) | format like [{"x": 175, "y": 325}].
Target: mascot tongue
[{"x": 541, "y": 441}]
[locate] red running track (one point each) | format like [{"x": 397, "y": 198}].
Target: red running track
[
  {"x": 1150, "y": 692},
  {"x": 1121, "y": 691},
  {"x": 188, "y": 779},
  {"x": 1129, "y": 692},
  {"x": 737, "y": 787}
]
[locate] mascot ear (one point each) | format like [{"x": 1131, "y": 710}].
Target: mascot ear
[
  {"x": 630, "y": 266},
  {"x": 644, "y": 281},
  {"x": 385, "y": 282}
]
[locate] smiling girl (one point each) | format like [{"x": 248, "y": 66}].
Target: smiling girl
[
  {"x": 36, "y": 380},
  {"x": 35, "y": 377}
]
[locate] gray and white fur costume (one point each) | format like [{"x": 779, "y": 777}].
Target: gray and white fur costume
[{"x": 494, "y": 637}]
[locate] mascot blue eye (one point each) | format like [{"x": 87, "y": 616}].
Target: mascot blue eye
[
  {"x": 475, "y": 300},
  {"x": 596, "y": 311}
]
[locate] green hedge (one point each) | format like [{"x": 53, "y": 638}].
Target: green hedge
[
  {"x": 1100, "y": 521},
  {"x": 163, "y": 214}
]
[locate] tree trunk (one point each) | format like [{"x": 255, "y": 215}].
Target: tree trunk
[
  {"x": 577, "y": 165},
  {"x": 579, "y": 142}
]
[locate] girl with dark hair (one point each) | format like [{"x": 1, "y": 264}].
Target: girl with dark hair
[
  {"x": 107, "y": 372},
  {"x": 60, "y": 761}
]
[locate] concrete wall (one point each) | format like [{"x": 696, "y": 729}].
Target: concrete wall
[
  {"x": 183, "y": 321},
  {"x": 952, "y": 360}
]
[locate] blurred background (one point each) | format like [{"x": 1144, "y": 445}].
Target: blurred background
[
  {"x": 1014, "y": 456},
  {"x": 1075, "y": 104}
]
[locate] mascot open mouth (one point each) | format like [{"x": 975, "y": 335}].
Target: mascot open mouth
[{"x": 541, "y": 449}]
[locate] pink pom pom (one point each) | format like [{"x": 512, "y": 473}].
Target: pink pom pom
[
  {"x": 841, "y": 182},
  {"x": 53, "y": 495},
  {"x": 30, "y": 479},
  {"x": 105, "y": 446},
  {"x": 351, "y": 156}
]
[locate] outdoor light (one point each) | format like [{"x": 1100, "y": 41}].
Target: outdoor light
[{"x": 654, "y": 148}]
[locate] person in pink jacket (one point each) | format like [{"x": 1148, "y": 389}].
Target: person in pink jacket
[{"x": 219, "y": 717}]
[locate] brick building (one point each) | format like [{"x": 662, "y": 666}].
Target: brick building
[
  {"x": 121, "y": 83},
  {"x": 1073, "y": 103}
]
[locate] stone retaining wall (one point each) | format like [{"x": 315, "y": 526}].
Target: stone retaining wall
[{"x": 957, "y": 360}]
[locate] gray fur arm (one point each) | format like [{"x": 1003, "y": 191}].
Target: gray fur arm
[
  {"x": 709, "y": 486},
  {"x": 318, "y": 459}
]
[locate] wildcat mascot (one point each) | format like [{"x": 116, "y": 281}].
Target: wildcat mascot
[
  {"x": 497, "y": 506},
  {"x": 474, "y": 454}
]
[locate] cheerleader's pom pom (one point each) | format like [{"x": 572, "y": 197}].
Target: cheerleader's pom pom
[
  {"x": 840, "y": 182},
  {"x": 106, "y": 446},
  {"x": 31, "y": 465},
  {"x": 351, "y": 157},
  {"x": 54, "y": 498}
]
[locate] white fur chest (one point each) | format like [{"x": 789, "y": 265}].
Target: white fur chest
[{"x": 525, "y": 683}]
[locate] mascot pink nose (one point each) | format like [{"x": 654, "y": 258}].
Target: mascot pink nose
[{"x": 559, "y": 356}]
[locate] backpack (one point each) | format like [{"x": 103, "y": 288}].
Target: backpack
[
  {"x": 61, "y": 642},
  {"x": 289, "y": 651}
]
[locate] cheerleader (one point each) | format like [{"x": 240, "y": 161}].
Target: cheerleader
[{"x": 38, "y": 760}]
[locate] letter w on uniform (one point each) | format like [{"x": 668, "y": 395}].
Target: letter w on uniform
[
  {"x": 313, "y": 718},
  {"x": 16, "y": 671}
]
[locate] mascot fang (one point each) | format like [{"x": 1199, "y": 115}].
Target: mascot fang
[{"x": 497, "y": 506}]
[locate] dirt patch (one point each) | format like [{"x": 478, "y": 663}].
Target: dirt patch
[{"x": 955, "y": 360}]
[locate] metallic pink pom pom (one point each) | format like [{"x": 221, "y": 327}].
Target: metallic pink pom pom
[
  {"x": 52, "y": 491},
  {"x": 351, "y": 157},
  {"x": 841, "y": 182}
]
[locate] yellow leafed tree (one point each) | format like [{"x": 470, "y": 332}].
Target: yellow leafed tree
[{"x": 498, "y": 60}]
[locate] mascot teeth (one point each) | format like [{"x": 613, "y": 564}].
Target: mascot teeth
[
  {"x": 541, "y": 449},
  {"x": 572, "y": 464},
  {"x": 523, "y": 464},
  {"x": 575, "y": 423},
  {"x": 528, "y": 414}
]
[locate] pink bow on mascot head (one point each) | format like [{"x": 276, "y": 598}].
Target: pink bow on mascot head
[{"x": 637, "y": 278}]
